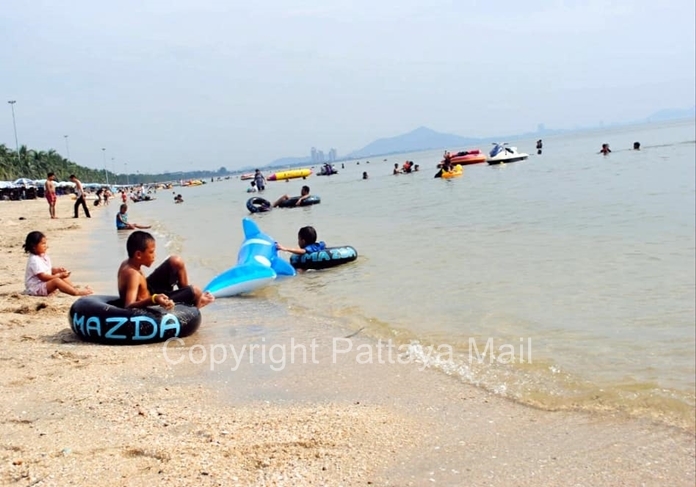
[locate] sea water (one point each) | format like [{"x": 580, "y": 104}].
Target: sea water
[{"x": 576, "y": 270}]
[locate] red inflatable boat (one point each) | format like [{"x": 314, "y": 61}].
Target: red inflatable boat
[{"x": 474, "y": 156}]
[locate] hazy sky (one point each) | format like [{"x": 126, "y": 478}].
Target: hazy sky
[{"x": 178, "y": 84}]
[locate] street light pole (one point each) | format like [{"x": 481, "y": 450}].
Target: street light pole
[
  {"x": 67, "y": 148},
  {"x": 14, "y": 124},
  {"x": 106, "y": 175}
]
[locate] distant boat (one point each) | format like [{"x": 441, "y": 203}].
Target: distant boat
[
  {"x": 504, "y": 154},
  {"x": 327, "y": 170},
  {"x": 474, "y": 156}
]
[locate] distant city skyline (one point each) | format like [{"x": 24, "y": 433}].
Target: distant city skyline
[{"x": 317, "y": 156}]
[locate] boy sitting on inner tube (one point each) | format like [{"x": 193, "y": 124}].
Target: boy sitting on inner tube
[
  {"x": 304, "y": 194},
  {"x": 307, "y": 241},
  {"x": 158, "y": 289}
]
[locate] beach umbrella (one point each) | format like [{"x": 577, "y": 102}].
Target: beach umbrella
[
  {"x": 6, "y": 184},
  {"x": 24, "y": 181}
]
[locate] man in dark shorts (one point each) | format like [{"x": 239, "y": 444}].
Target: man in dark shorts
[{"x": 166, "y": 286}]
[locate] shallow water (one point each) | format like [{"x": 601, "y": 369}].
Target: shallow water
[{"x": 583, "y": 261}]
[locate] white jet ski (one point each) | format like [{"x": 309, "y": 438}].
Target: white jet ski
[{"x": 504, "y": 154}]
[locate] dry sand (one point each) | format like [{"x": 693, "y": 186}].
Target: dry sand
[{"x": 81, "y": 414}]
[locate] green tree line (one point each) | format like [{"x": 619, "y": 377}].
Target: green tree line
[{"x": 35, "y": 164}]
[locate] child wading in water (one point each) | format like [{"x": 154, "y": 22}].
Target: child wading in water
[
  {"x": 307, "y": 242},
  {"x": 122, "y": 220},
  {"x": 40, "y": 279},
  {"x": 158, "y": 289}
]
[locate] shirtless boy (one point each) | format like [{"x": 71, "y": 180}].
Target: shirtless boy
[
  {"x": 50, "y": 193},
  {"x": 136, "y": 291}
]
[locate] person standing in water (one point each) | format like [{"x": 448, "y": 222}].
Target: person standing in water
[
  {"x": 539, "y": 146},
  {"x": 260, "y": 180}
]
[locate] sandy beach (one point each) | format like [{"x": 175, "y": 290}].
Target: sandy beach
[{"x": 84, "y": 414}]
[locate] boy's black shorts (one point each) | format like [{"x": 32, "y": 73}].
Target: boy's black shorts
[{"x": 162, "y": 281}]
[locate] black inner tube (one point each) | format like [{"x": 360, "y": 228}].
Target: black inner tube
[
  {"x": 101, "y": 319},
  {"x": 324, "y": 259},
  {"x": 292, "y": 202},
  {"x": 258, "y": 204}
]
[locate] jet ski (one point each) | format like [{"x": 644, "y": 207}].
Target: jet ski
[{"x": 504, "y": 154}]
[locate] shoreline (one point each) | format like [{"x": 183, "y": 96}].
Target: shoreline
[{"x": 90, "y": 414}]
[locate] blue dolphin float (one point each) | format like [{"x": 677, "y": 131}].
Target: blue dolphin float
[{"x": 257, "y": 265}]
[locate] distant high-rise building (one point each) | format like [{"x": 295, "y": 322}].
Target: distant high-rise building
[
  {"x": 332, "y": 155},
  {"x": 314, "y": 155},
  {"x": 320, "y": 156}
]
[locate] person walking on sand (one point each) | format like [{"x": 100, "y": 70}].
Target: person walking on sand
[
  {"x": 50, "y": 193},
  {"x": 80, "y": 193}
]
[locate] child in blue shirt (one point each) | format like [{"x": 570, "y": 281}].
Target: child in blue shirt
[
  {"x": 307, "y": 241},
  {"x": 122, "y": 220}
]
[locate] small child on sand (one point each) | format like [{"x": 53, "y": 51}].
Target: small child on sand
[
  {"x": 158, "y": 289},
  {"x": 40, "y": 279}
]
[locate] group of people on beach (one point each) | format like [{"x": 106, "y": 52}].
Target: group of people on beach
[
  {"x": 52, "y": 197},
  {"x": 166, "y": 286}
]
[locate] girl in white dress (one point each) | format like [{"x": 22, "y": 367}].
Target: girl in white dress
[{"x": 40, "y": 279}]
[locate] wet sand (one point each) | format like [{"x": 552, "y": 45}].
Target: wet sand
[{"x": 83, "y": 414}]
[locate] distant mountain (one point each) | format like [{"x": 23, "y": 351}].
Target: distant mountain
[
  {"x": 672, "y": 114},
  {"x": 422, "y": 138}
]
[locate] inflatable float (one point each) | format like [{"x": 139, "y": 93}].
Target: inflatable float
[
  {"x": 261, "y": 205},
  {"x": 325, "y": 258},
  {"x": 292, "y": 202},
  {"x": 257, "y": 265},
  {"x": 291, "y": 174},
  {"x": 140, "y": 199},
  {"x": 465, "y": 158},
  {"x": 455, "y": 172},
  {"x": 258, "y": 205},
  {"x": 247, "y": 176},
  {"x": 101, "y": 319}
]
